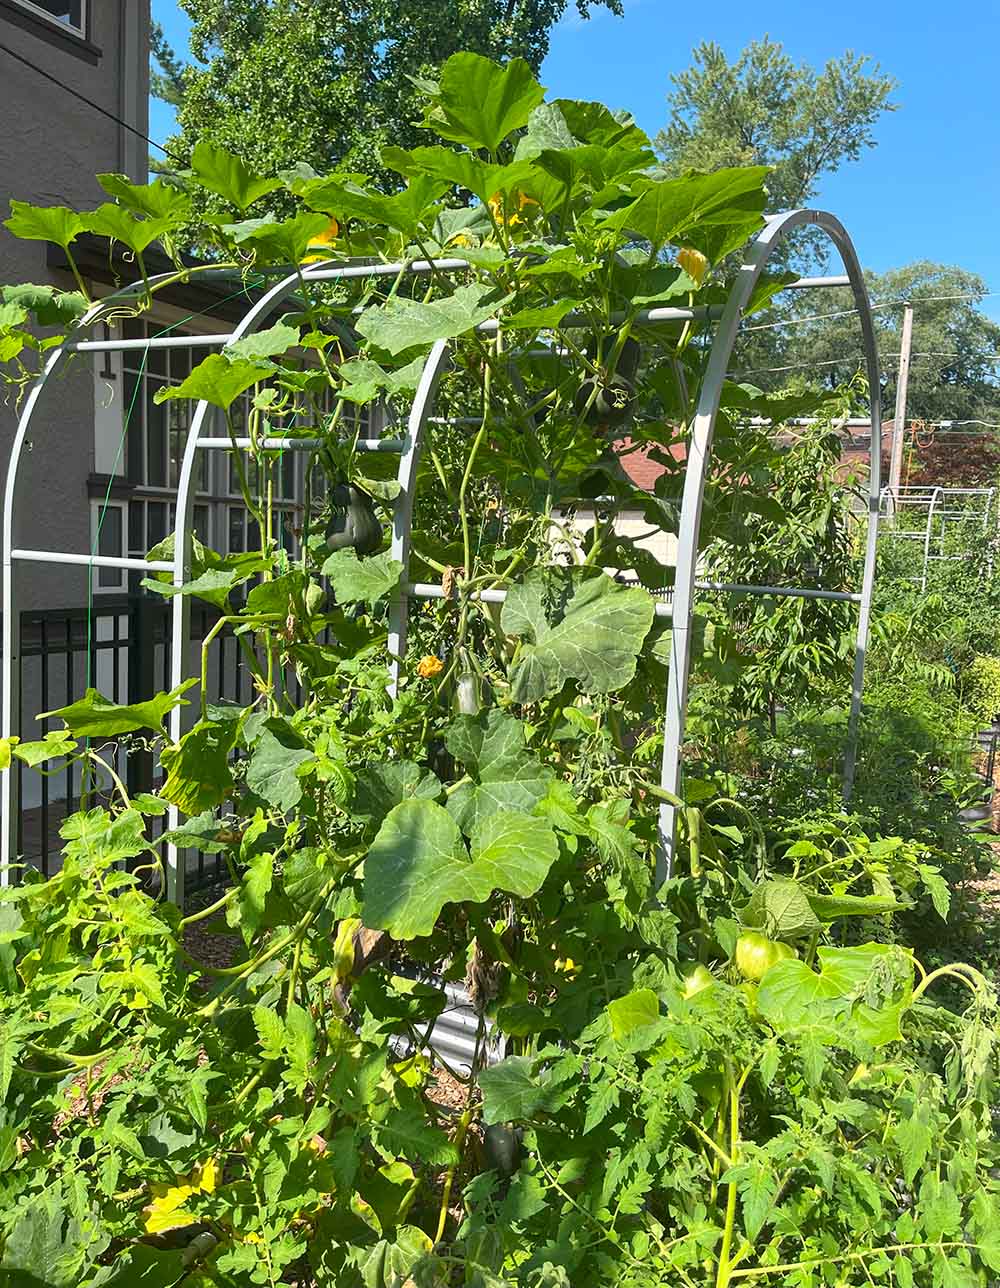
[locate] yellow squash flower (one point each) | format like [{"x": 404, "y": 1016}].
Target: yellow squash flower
[
  {"x": 328, "y": 237},
  {"x": 693, "y": 263},
  {"x": 519, "y": 202},
  {"x": 429, "y": 666}
]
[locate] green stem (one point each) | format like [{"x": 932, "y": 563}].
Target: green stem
[
  {"x": 210, "y": 911},
  {"x": 787, "y": 1266},
  {"x": 724, "y": 1267}
]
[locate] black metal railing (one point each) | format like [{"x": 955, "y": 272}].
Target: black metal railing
[{"x": 121, "y": 646}]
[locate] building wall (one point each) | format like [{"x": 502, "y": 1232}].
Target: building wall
[
  {"x": 630, "y": 523},
  {"x": 51, "y": 147}
]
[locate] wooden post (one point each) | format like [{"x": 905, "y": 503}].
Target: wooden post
[{"x": 899, "y": 420}]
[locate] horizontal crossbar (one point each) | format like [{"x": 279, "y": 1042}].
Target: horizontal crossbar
[
  {"x": 91, "y": 561},
  {"x": 384, "y": 270},
  {"x": 430, "y": 590},
  {"x": 304, "y": 444},
  {"x": 154, "y": 342},
  {"x": 780, "y": 592},
  {"x": 811, "y": 283}
]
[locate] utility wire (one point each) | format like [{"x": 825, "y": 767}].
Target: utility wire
[
  {"x": 90, "y": 102},
  {"x": 883, "y": 357},
  {"x": 813, "y": 317},
  {"x": 888, "y": 304}
]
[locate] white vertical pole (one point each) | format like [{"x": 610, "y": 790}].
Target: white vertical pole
[
  {"x": 402, "y": 514},
  {"x": 899, "y": 417}
]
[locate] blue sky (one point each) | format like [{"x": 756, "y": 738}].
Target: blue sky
[{"x": 930, "y": 190}]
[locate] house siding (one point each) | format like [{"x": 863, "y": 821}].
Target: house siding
[{"x": 51, "y": 148}]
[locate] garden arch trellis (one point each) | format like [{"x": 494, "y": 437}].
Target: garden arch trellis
[{"x": 408, "y": 448}]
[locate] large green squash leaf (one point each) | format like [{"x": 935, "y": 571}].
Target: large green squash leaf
[
  {"x": 273, "y": 769},
  {"x": 406, "y": 212},
  {"x": 418, "y": 863},
  {"x": 504, "y": 774},
  {"x": 596, "y": 642},
  {"x": 483, "y": 179},
  {"x": 857, "y": 995},
  {"x": 381, "y": 787},
  {"x": 281, "y": 241},
  {"x": 402, "y": 324},
  {"x": 363, "y": 379},
  {"x": 116, "y": 222},
  {"x": 273, "y": 342},
  {"x": 156, "y": 200},
  {"x": 222, "y": 173},
  {"x": 357, "y": 580},
  {"x": 50, "y": 306},
  {"x": 94, "y": 716},
  {"x": 668, "y": 210},
  {"x": 218, "y": 380},
  {"x": 198, "y": 774},
  {"x": 55, "y": 224},
  {"x": 480, "y": 103}
]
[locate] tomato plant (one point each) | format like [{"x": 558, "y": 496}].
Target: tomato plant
[{"x": 168, "y": 1119}]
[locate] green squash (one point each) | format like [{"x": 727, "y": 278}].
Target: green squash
[{"x": 354, "y": 523}]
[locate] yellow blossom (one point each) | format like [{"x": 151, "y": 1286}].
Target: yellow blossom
[
  {"x": 429, "y": 666},
  {"x": 328, "y": 237},
  {"x": 693, "y": 263},
  {"x": 566, "y": 966},
  {"x": 519, "y": 201}
]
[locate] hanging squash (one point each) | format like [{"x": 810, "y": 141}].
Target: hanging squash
[
  {"x": 608, "y": 397},
  {"x": 354, "y": 523}
]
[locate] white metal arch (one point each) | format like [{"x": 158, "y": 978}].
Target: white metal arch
[
  {"x": 696, "y": 475},
  {"x": 409, "y": 449}
]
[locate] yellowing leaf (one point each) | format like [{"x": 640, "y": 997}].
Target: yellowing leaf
[
  {"x": 343, "y": 948},
  {"x": 166, "y": 1212}
]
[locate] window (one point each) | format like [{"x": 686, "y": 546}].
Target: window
[
  {"x": 109, "y": 530},
  {"x": 157, "y": 432},
  {"x": 69, "y": 13}
]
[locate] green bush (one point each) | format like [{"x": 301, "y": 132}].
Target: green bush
[{"x": 981, "y": 687}]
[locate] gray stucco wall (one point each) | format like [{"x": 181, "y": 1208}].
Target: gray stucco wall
[{"x": 51, "y": 147}]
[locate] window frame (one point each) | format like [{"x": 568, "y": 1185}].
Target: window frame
[
  {"x": 97, "y": 507},
  {"x": 37, "y": 11}
]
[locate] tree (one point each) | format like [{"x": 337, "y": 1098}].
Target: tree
[
  {"x": 166, "y": 73},
  {"x": 329, "y": 82},
  {"x": 953, "y": 371},
  {"x": 762, "y": 109}
]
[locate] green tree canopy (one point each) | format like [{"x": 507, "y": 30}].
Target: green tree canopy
[
  {"x": 763, "y": 109},
  {"x": 954, "y": 350},
  {"x": 330, "y": 82}
]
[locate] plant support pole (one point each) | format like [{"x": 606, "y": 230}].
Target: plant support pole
[
  {"x": 899, "y": 417},
  {"x": 696, "y": 475}
]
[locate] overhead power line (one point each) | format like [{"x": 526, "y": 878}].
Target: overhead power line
[
  {"x": 887, "y": 304},
  {"x": 89, "y": 102}
]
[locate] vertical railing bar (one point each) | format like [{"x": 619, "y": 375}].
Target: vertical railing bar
[{"x": 44, "y": 693}]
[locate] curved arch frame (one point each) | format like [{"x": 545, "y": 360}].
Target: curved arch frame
[
  {"x": 696, "y": 476},
  {"x": 410, "y": 447}
]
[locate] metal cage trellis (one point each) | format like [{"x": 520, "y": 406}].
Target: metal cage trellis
[
  {"x": 408, "y": 447},
  {"x": 941, "y": 507}
]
